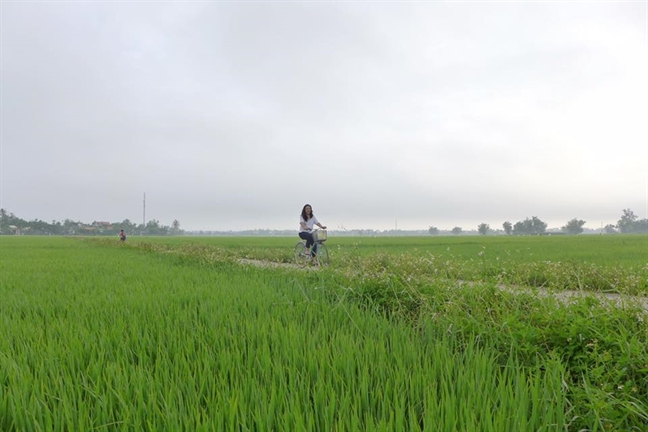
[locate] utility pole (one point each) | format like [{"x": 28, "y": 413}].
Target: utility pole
[{"x": 144, "y": 212}]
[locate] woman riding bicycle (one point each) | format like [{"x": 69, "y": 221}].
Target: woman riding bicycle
[{"x": 307, "y": 221}]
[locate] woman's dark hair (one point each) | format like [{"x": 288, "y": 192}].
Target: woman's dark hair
[{"x": 304, "y": 215}]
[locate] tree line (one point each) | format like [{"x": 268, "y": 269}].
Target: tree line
[
  {"x": 628, "y": 223},
  {"x": 12, "y": 224}
]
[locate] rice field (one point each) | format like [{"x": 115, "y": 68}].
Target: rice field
[{"x": 176, "y": 334}]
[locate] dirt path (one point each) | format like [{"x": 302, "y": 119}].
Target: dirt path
[
  {"x": 568, "y": 296},
  {"x": 564, "y": 295}
]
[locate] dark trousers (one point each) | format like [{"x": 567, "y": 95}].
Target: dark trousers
[{"x": 309, "y": 241}]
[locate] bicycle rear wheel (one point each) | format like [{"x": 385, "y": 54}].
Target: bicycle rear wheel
[
  {"x": 322, "y": 255},
  {"x": 301, "y": 254}
]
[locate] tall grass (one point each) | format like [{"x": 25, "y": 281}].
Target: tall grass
[
  {"x": 609, "y": 264},
  {"x": 98, "y": 338},
  {"x": 600, "y": 250},
  {"x": 601, "y": 347}
]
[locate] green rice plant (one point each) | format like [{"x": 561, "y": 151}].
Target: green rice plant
[
  {"x": 612, "y": 264},
  {"x": 603, "y": 350},
  {"x": 115, "y": 338}
]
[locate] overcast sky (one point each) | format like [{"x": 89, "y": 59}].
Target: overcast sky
[{"x": 233, "y": 115}]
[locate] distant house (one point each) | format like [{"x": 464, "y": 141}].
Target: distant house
[{"x": 14, "y": 230}]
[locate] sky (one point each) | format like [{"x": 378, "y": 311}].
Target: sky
[{"x": 381, "y": 115}]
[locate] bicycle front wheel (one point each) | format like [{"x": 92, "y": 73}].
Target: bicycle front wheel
[
  {"x": 322, "y": 255},
  {"x": 301, "y": 255}
]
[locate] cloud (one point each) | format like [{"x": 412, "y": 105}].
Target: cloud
[{"x": 232, "y": 116}]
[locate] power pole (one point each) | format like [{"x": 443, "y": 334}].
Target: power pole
[{"x": 144, "y": 212}]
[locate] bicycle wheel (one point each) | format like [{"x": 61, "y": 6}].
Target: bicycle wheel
[
  {"x": 301, "y": 255},
  {"x": 322, "y": 255}
]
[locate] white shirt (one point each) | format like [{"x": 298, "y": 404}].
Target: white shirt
[{"x": 310, "y": 223}]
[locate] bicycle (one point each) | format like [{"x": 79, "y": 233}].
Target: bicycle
[{"x": 303, "y": 255}]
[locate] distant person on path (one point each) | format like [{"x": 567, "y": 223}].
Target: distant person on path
[
  {"x": 122, "y": 235},
  {"x": 307, "y": 221}
]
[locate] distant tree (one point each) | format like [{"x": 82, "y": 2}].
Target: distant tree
[
  {"x": 153, "y": 227},
  {"x": 175, "y": 227},
  {"x": 56, "y": 228},
  {"x": 456, "y": 230},
  {"x": 71, "y": 227},
  {"x": 39, "y": 227},
  {"x": 627, "y": 222},
  {"x": 609, "y": 229},
  {"x": 539, "y": 227},
  {"x": 129, "y": 227},
  {"x": 508, "y": 227},
  {"x": 530, "y": 226},
  {"x": 4, "y": 221},
  {"x": 574, "y": 226},
  {"x": 433, "y": 230},
  {"x": 8, "y": 219},
  {"x": 641, "y": 226},
  {"x": 483, "y": 228},
  {"x": 522, "y": 227}
]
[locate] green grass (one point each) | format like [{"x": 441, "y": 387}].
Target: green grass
[
  {"x": 604, "y": 250},
  {"x": 172, "y": 334},
  {"x": 610, "y": 264}
]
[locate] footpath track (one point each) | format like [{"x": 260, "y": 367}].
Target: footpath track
[{"x": 566, "y": 296}]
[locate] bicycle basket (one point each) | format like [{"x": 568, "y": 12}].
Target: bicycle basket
[{"x": 319, "y": 235}]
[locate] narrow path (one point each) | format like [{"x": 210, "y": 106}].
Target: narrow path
[
  {"x": 563, "y": 295},
  {"x": 572, "y": 295}
]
